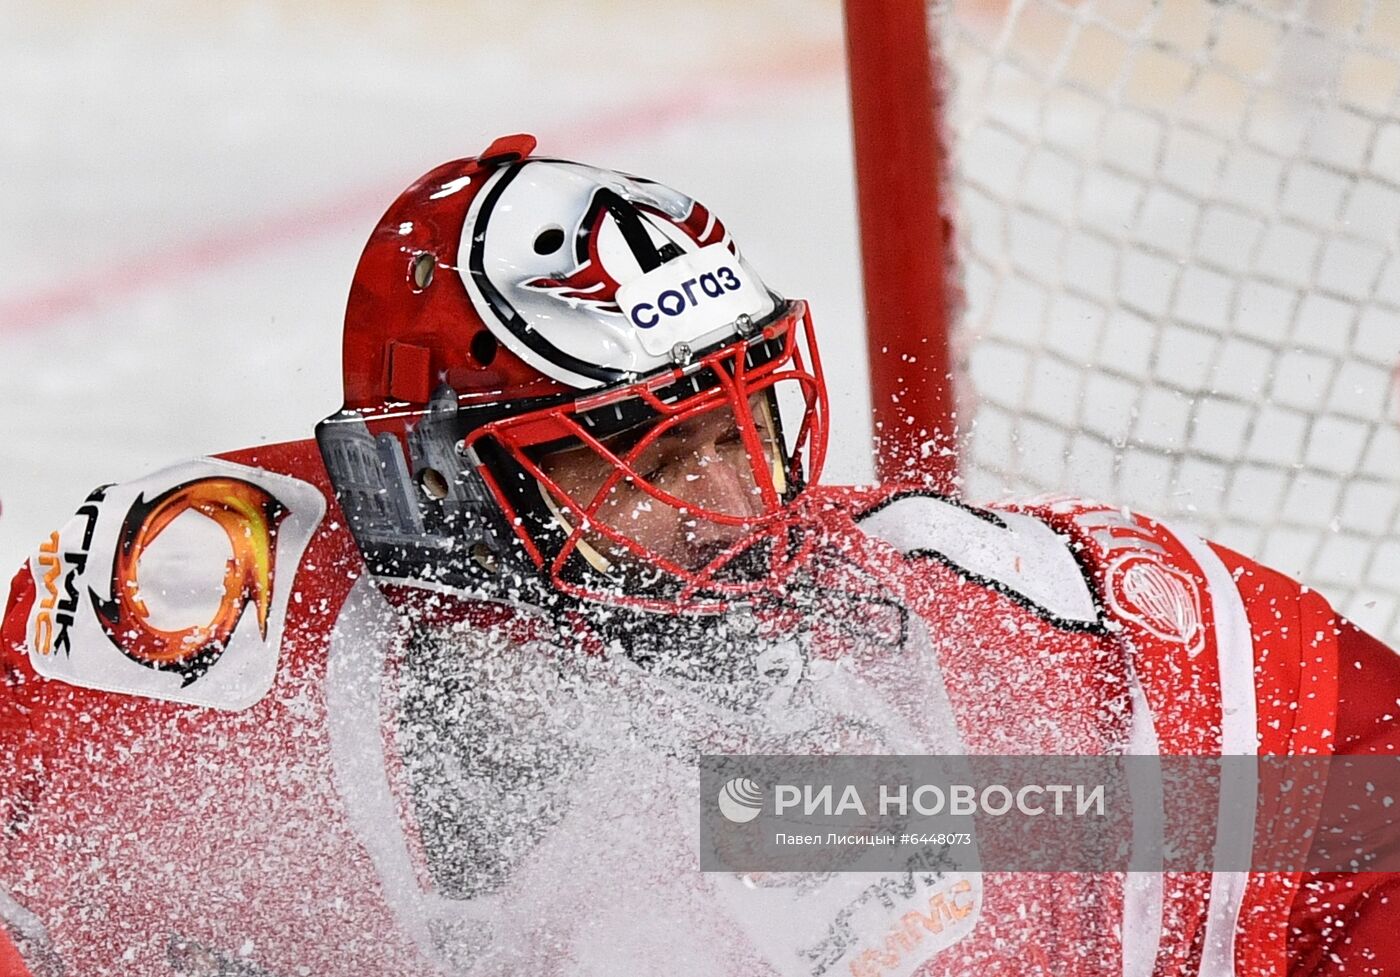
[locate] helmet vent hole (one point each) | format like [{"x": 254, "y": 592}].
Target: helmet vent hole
[
  {"x": 422, "y": 268},
  {"x": 483, "y": 348},
  {"x": 549, "y": 239},
  {"x": 433, "y": 483}
]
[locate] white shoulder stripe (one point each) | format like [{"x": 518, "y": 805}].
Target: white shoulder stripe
[
  {"x": 1017, "y": 553},
  {"x": 1143, "y": 885},
  {"x": 1238, "y": 737}
]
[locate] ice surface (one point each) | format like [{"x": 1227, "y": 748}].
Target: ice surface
[{"x": 184, "y": 194}]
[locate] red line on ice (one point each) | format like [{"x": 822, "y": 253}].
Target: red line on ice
[{"x": 188, "y": 259}]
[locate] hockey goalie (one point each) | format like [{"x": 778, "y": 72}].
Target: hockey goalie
[{"x": 423, "y": 694}]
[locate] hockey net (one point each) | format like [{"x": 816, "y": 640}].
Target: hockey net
[{"x": 1175, "y": 229}]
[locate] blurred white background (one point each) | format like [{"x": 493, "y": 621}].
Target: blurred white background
[{"x": 185, "y": 190}]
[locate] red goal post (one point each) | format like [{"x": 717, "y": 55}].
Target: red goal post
[{"x": 905, "y": 248}]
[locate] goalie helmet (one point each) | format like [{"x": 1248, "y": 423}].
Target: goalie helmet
[{"x": 525, "y": 338}]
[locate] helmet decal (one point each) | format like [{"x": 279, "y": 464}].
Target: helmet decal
[
  {"x": 549, "y": 244},
  {"x": 500, "y": 307},
  {"x": 651, "y": 238}
]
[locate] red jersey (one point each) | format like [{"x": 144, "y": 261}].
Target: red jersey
[{"x": 246, "y": 762}]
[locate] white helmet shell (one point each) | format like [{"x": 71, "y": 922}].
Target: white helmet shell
[{"x": 594, "y": 277}]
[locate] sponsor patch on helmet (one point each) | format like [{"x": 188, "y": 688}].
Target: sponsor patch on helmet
[{"x": 690, "y": 297}]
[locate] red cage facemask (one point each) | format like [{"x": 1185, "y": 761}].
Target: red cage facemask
[{"x": 673, "y": 492}]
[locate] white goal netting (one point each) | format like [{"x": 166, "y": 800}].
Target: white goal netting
[{"x": 1178, "y": 223}]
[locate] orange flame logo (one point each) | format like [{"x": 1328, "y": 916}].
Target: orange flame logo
[{"x": 249, "y": 516}]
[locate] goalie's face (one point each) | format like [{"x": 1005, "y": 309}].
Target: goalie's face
[{"x": 705, "y": 461}]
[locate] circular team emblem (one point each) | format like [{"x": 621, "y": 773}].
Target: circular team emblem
[
  {"x": 1159, "y": 598},
  {"x": 249, "y": 515}
]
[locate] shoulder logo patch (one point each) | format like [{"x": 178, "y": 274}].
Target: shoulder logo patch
[
  {"x": 175, "y": 586},
  {"x": 1163, "y": 600}
]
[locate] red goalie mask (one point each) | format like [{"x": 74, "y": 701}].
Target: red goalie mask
[{"x": 566, "y": 379}]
